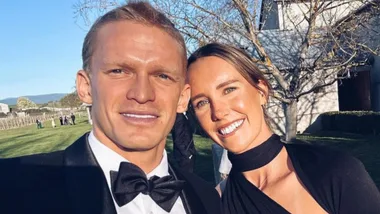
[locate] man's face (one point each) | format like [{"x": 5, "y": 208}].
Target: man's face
[{"x": 136, "y": 85}]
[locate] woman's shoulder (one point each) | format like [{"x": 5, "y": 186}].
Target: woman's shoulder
[
  {"x": 336, "y": 179},
  {"x": 322, "y": 160}
]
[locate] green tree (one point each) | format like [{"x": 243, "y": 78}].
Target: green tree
[
  {"x": 70, "y": 100},
  {"x": 25, "y": 103}
]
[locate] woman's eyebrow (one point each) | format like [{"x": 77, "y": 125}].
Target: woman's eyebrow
[
  {"x": 221, "y": 85},
  {"x": 197, "y": 96}
]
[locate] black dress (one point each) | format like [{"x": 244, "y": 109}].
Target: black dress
[{"x": 338, "y": 182}]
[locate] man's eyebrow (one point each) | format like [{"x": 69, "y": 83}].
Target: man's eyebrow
[
  {"x": 119, "y": 64},
  {"x": 174, "y": 73},
  {"x": 131, "y": 66},
  {"x": 165, "y": 69},
  {"x": 221, "y": 85}
]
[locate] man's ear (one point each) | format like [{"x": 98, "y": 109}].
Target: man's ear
[
  {"x": 184, "y": 98},
  {"x": 84, "y": 87}
]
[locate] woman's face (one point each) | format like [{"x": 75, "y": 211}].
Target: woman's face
[{"x": 227, "y": 106}]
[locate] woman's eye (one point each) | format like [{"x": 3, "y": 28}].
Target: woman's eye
[
  {"x": 229, "y": 90},
  {"x": 201, "y": 103}
]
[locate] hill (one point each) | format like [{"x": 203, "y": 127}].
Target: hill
[{"x": 38, "y": 99}]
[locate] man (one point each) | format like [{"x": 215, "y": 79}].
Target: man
[
  {"x": 133, "y": 74},
  {"x": 61, "y": 120},
  {"x": 72, "y": 118}
]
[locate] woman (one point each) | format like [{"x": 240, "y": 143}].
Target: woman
[
  {"x": 228, "y": 96},
  {"x": 52, "y": 122}
]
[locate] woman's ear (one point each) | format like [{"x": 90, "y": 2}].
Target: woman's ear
[
  {"x": 184, "y": 98},
  {"x": 83, "y": 85},
  {"x": 264, "y": 92}
]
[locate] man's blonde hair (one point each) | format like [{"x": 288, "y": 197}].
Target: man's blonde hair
[{"x": 139, "y": 12}]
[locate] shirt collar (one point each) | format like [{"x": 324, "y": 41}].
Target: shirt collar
[{"x": 110, "y": 160}]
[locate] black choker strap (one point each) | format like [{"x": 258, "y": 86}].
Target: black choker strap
[{"x": 258, "y": 156}]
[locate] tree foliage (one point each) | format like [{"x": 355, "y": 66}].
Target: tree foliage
[
  {"x": 70, "y": 100},
  {"x": 317, "y": 42},
  {"x": 25, "y": 103}
]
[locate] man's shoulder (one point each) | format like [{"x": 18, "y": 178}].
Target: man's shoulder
[
  {"x": 34, "y": 167},
  {"x": 51, "y": 158},
  {"x": 32, "y": 183}
]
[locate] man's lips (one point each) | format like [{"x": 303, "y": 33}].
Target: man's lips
[{"x": 140, "y": 118}]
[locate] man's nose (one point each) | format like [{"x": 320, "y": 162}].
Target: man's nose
[{"x": 142, "y": 90}]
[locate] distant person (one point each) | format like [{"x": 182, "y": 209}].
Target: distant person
[
  {"x": 183, "y": 144},
  {"x": 66, "y": 120},
  {"x": 38, "y": 123},
  {"x": 61, "y": 120},
  {"x": 134, "y": 76},
  {"x": 73, "y": 118},
  {"x": 52, "y": 122}
]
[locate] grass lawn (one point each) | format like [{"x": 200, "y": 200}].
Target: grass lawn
[{"x": 30, "y": 140}]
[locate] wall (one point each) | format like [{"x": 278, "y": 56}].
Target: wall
[
  {"x": 291, "y": 14},
  {"x": 375, "y": 82},
  {"x": 309, "y": 107},
  {"x": 4, "y": 108}
]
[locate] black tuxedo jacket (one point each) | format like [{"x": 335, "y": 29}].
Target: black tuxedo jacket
[{"x": 71, "y": 181}]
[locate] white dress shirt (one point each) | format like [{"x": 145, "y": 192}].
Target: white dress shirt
[{"x": 144, "y": 204}]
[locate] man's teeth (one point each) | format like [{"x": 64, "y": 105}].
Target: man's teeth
[
  {"x": 231, "y": 127},
  {"x": 144, "y": 116}
]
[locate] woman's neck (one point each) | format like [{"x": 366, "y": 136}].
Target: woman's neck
[{"x": 270, "y": 173}]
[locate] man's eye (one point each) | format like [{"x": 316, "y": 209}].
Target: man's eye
[
  {"x": 164, "y": 76},
  {"x": 116, "y": 71},
  {"x": 229, "y": 90},
  {"x": 201, "y": 103}
]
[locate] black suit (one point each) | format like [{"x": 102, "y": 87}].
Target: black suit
[{"x": 71, "y": 181}]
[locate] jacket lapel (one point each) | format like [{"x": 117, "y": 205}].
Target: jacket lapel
[
  {"x": 197, "y": 195},
  {"x": 85, "y": 182}
]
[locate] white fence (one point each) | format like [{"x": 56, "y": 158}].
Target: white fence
[{"x": 17, "y": 122}]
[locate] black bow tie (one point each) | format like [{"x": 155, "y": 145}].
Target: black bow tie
[{"x": 130, "y": 181}]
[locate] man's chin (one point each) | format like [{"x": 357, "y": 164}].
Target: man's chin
[
  {"x": 131, "y": 148},
  {"x": 138, "y": 144}
]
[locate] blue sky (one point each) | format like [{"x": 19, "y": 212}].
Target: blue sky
[{"x": 40, "y": 47}]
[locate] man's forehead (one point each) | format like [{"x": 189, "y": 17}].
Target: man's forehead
[
  {"x": 128, "y": 38},
  {"x": 134, "y": 34}
]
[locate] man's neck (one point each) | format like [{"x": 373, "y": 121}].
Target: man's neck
[{"x": 147, "y": 160}]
